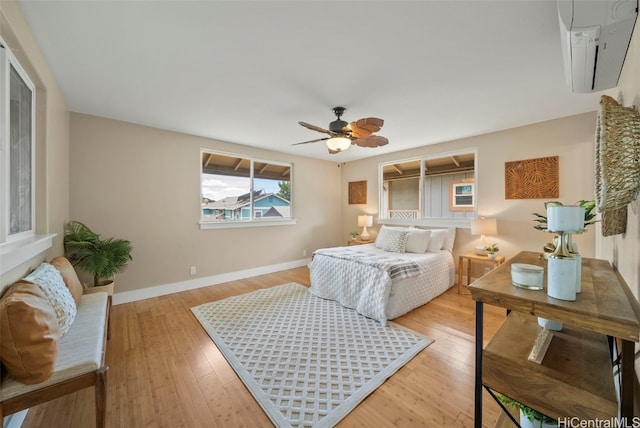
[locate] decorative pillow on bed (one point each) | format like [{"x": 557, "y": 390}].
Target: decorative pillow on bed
[
  {"x": 436, "y": 241},
  {"x": 418, "y": 240},
  {"x": 392, "y": 239},
  {"x": 382, "y": 234},
  {"x": 442, "y": 239},
  {"x": 52, "y": 285}
]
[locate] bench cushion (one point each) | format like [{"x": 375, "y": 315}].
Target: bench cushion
[
  {"x": 29, "y": 333},
  {"x": 80, "y": 350}
]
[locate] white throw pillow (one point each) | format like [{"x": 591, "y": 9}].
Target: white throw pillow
[
  {"x": 50, "y": 281},
  {"x": 447, "y": 243},
  {"x": 418, "y": 240},
  {"x": 393, "y": 240},
  {"x": 382, "y": 234},
  {"x": 436, "y": 241}
]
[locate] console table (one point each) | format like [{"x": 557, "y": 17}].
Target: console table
[{"x": 575, "y": 378}]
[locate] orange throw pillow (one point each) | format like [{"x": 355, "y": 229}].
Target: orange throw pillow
[
  {"x": 69, "y": 276},
  {"x": 29, "y": 333}
]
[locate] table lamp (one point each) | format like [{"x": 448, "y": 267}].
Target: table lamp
[
  {"x": 365, "y": 221},
  {"x": 483, "y": 227}
]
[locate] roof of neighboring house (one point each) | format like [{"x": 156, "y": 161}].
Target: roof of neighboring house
[
  {"x": 235, "y": 202},
  {"x": 278, "y": 212}
]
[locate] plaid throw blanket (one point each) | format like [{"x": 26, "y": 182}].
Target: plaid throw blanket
[{"x": 394, "y": 266}]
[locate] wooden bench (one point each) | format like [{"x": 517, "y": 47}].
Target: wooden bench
[{"x": 80, "y": 363}]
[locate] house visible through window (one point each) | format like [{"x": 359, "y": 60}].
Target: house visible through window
[
  {"x": 17, "y": 150},
  {"x": 238, "y": 189}
]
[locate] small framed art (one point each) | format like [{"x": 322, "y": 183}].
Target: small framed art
[{"x": 358, "y": 192}]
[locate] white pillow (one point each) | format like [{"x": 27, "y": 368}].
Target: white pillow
[
  {"x": 436, "y": 241},
  {"x": 382, "y": 234},
  {"x": 418, "y": 240},
  {"x": 393, "y": 240},
  {"x": 449, "y": 238},
  {"x": 50, "y": 281}
]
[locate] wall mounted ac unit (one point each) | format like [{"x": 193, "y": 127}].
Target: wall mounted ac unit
[{"x": 595, "y": 37}]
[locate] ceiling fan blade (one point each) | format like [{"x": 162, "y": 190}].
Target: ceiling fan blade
[
  {"x": 316, "y": 128},
  {"x": 311, "y": 141},
  {"x": 372, "y": 141},
  {"x": 372, "y": 124},
  {"x": 358, "y": 132}
]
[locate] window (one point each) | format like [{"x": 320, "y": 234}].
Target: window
[
  {"x": 439, "y": 187},
  {"x": 240, "y": 190},
  {"x": 17, "y": 150}
]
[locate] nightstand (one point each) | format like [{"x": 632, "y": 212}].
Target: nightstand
[
  {"x": 359, "y": 242},
  {"x": 470, "y": 257}
]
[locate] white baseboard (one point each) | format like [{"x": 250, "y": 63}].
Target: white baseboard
[{"x": 164, "y": 289}]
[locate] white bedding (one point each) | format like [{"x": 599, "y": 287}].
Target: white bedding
[{"x": 368, "y": 287}]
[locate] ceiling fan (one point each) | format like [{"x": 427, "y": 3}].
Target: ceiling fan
[{"x": 342, "y": 134}]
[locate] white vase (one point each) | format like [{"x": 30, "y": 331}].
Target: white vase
[
  {"x": 553, "y": 325},
  {"x": 492, "y": 256}
]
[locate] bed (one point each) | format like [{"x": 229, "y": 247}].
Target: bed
[{"x": 404, "y": 268}]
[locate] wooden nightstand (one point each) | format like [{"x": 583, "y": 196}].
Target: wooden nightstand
[
  {"x": 359, "y": 242},
  {"x": 469, "y": 257}
]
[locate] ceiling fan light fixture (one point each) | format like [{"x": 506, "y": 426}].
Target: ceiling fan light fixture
[{"x": 339, "y": 144}]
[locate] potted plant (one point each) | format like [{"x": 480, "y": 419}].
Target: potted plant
[
  {"x": 529, "y": 418},
  {"x": 589, "y": 215},
  {"x": 101, "y": 258},
  {"x": 353, "y": 235},
  {"x": 492, "y": 250},
  {"x": 541, "y": 221}
]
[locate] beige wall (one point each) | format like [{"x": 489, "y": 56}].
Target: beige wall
[
  {"x": 569, "y": 138},
  {"x": 143, "y": 184},
  {"x": 624, "y": 250},
  {"x": 52, "y": 136}
]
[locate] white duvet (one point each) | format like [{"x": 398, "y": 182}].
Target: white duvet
[{"x": 365, "y": 286}]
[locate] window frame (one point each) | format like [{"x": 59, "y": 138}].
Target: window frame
[
  {"x": 21, "y": 247},
  {"x": 420, "y": 217},
  {"x": 7, "y": 62},
  {"x": 252, "y": 220}
]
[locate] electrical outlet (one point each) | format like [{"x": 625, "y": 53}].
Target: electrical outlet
[
  {"x": 192, "y": 270},
  {"x": 304, "y": 253}
]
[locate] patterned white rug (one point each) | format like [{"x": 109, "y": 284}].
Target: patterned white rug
[{"x": 306, "y": 360}]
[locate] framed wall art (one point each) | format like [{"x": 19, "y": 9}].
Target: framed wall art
[
  {"x": 532, "y": 178},
  {"x": 358, "y": 192}
]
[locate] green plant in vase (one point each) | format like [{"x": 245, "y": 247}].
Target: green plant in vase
[
  {"x": 540, "y": 220},
  {"x": 353, "y": 235},
  {"x": 101, "y": 258}
]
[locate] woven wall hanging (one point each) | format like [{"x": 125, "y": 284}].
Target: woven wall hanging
[{"x": 617, "y": 155}]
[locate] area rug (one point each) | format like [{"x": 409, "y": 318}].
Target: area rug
[{"x": 306, "y": 360}]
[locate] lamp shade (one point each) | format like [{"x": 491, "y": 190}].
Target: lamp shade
[
  {"x": 365, "y": 221},
  {"x": 339, "y": 144},
  {"x": 484, "y": 226}
]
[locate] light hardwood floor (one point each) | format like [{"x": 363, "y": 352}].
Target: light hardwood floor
[{"x": 164, "y": 370}]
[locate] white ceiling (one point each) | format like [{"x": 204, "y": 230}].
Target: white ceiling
[{"x": 247, "y": 71}]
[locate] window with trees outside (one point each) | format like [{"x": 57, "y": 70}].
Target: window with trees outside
[
  {"x": 240, "y": 190},
  {"x": 17, "y": 150}
]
